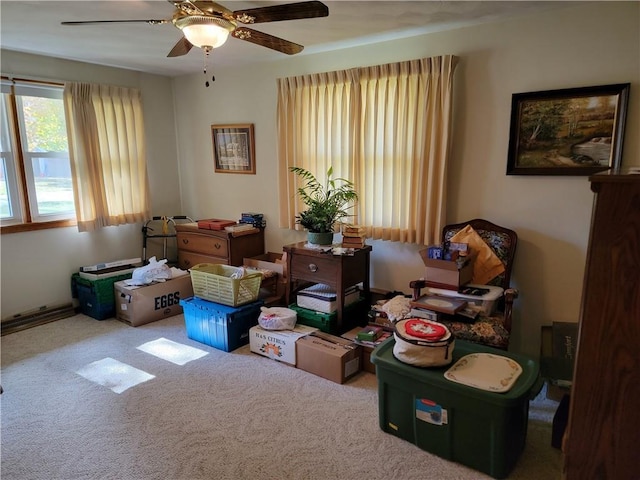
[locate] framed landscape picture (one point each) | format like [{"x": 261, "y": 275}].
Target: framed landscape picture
[
  {"x": 575, "y": 131},
  {"x": 233, "y": 148}
]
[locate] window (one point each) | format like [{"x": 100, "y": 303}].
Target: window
[
  {"x": 36, "y": 189},
  {"x": 386, "y": 128}
]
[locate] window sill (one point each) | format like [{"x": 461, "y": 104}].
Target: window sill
[{"x": 27, "y": 227}]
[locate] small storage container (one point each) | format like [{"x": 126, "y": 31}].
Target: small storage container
[
  {"x": 486, "y": 303},
  {"x": 423, "y": 343},
  {"x": 225, "y": 284},
  {"x": 322, "y": 298},
  {"x": 96, "y": 297},
  {"x": 328, "y": 322},
  {"x": 219, "y": 326},
  {"x": 481, "y": 429}
]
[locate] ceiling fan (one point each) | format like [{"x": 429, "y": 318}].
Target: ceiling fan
[{"x": 207, "y": 25}]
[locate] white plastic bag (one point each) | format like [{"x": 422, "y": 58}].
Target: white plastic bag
[
  {"x": 277, "y": 318},
  {"x": 154, "y": 271}
]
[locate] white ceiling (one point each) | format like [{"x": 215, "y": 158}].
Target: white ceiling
[{"x": 34, "y": 27}]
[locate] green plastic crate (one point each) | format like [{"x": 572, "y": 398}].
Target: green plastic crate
[
  {"x": 483, "y": 430},
  {"x": 96, "y": 297},
  {"x": 354, "y": 314}
]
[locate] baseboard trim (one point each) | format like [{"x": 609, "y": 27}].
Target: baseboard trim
[{"x": 22, "y": 321}]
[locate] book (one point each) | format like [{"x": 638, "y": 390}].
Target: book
[
  {"x": 369, "y": 333},
  {"x": 353, "y": 234},
  {"x": 351, "y": 230},
  {"x": 353, "y": 240},
  {"x": 374, "y": 343},
  {"x": 116, "y": 263}
]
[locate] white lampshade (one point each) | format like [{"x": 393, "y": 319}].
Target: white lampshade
[{"x": 205, "y": 35}]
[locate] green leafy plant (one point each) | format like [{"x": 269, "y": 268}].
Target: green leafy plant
[{"x": 326, "y": 204}]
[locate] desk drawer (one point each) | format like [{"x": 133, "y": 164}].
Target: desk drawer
[
  {"x": 203, "y": 244},
  {"x": 186, "y": 260},
  {"x": 315, "y": 269}
]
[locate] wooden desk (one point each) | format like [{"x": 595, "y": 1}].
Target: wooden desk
[{"x": 337, "y": 271}]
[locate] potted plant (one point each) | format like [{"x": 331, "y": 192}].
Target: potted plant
[{"x": 326, "y": 204}]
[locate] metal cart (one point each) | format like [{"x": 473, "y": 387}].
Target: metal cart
[{"x": 163, "y": 229}]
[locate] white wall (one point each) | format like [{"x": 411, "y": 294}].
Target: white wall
[
  {"x": 581, "y": 46},
  {"x": 36, "y": 266}
]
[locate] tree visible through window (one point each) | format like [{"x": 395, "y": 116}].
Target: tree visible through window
[{"x": 35, "y": 177}]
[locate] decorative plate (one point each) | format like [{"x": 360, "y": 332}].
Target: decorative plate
[{"x": 485, "y": 371}]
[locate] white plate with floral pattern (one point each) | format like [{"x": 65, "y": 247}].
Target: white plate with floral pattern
[{"x": 485, "y": 371}]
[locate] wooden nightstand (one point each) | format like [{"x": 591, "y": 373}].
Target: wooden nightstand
[{"x": 337, "y": 271}]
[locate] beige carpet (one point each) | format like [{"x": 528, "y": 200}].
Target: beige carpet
[{"x": 221, "y": 416}]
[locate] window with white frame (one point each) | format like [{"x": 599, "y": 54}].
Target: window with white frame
[{"x": 35, "y": 186}]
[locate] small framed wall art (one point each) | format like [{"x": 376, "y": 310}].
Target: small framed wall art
[
  {"x": 574, "y": 131},
  {"x": 233, "y": 148}
]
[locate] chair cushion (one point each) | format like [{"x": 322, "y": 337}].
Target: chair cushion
[
  {"x": 485, "y": 330},
  {"x": 486, "y": 265}
]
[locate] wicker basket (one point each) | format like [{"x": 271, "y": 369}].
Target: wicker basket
[{"x": 213, "y": 282}]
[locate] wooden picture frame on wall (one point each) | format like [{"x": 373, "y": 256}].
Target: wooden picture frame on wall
[
  {"x": 233, "y": 148},
  {"x": 574, "y": 131}
]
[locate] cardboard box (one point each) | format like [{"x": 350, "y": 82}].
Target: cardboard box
[
  {"x": 139, "y": 305},
  {"x": 445, "y": 273},
  {"x": 334, "y": 358},
  {"x": 275, "y": 262},
  {"x": 367, "y": 366},
  {"x": 268, "y": 261},
  {"x": 277, "y": 344}
]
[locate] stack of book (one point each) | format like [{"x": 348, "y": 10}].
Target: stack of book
[
  {"x": 369, "y": 336},
  {"x": 353, "y": 236},
  {"x": 255, "y": 219}
]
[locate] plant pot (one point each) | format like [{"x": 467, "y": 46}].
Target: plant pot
[{"x": 324, "y": 238}]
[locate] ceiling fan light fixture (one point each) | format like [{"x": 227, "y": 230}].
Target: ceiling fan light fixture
[{"x": 204, "y": 31}]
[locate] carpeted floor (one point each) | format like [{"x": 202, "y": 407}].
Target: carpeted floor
[{"x": 213, "y": 416}]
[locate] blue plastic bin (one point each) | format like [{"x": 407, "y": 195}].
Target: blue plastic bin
[{"x": 219, "y": 326}]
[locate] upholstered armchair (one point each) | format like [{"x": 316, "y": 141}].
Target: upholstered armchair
[{"x": 494, "y": 330}]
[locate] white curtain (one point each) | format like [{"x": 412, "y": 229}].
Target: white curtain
[
  {"x": 387, "y": 128},
  {"x": 108, "y": 155}
]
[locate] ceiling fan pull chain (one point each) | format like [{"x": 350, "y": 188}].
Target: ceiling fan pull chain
[{"x": 206, "y": 56}]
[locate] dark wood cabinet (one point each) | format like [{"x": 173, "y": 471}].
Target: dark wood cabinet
[
  {"x": 197, "y": 245},
  {"x": 603, "y": 434},
  {"x": 337, "y": 271}
]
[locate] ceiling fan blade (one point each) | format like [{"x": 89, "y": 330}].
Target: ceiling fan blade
[
  {"x": 94, "y": 22},
  {"x": 266, "y": 40},
  {"x": 181, "y": 48},
  {"x": 276, "y": 13}
]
